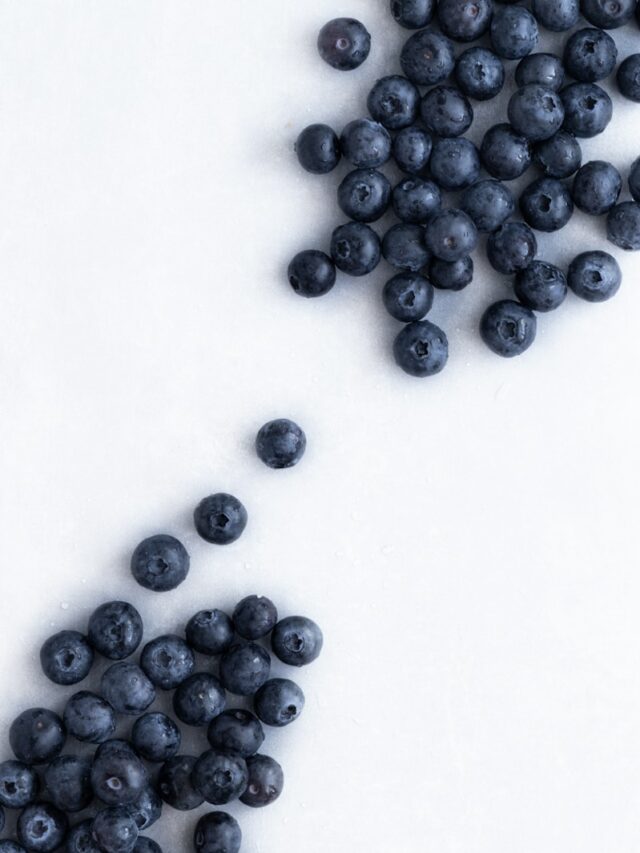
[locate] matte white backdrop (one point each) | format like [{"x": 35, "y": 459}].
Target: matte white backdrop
[{"x": 469, "y": 543}]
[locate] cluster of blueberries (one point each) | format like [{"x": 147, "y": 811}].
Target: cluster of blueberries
[{"x": 423, "y": 133}]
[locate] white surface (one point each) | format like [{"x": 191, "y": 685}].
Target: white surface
[{"x": 469, "y": 543}]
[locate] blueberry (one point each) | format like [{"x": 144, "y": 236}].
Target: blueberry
[
  {"x": 557, "y": 15},
  {"x": 364, "y": 195},
  {"x": 408, "y": 296},
  {"x": 160, "y": 563},
  {"x": 514, "y": 32},
  {"x": 623, "y": 225},
  {"x": 281, "y": 443},
  {"x": 66, "y": 658},
  {"x": 89, "y": 718},
  {"x": 541, "y": 287},
  {"x": 244, "y": 668},
  {"x": 217, "y": 832},
  {"x": 147, "y": 809},
  {"x": 199, "y": 699},
  {"x": 220, "y": 777},
  {"x": 37, "y": 736},
  {"x": 587, "y": 107},
  {"x": 628, "y": 77},
  {"x": 42, "y": 827},
  {"x": 596, "y": 187},
  {"x": 114, "y": 830},
  {"x": 480, "y": 73},
  {"x": 416, "y": 200},
  {"x": 455, "y": 163},
  {"x": 559, "y": 156},
  {"x": 464, "y": 20},
  {"x": 536, "y": 112},
  {"x": 404, "y": 247},
  {"x": 446, "y": 112},
  {"x": 297, "y": 640},
  {"x": 80, "y": 838},
  {"x": 255, "y": 616},
  {"x": 394, "y": 102},
  {"x": 127, "y": 689},
  {"x": 318, "y": 149},
  {"x": 451, "y": 235},
  {"x": 19, "y": 784},
  {"x": 279, "y": 702},
  {"x": 7, "y": 846},
  {"x": 146, "y": 845},
  {"x": 220, "y": 518},
  {"x": 156, "y": 737},
  {"x": 175, "y": 786},
  {"x": 427, "y": 58},
  {"x": 412, "y": 149},
  {"x": 115, "y": 630},
  {"x": 489, "y": 203},
  {"x": 209, "y": 632},
  {"x": 118, "y": 776},
  {"x": 546, "y": 204},
  {"x": 366, "y": 143},
  {"x": 237, "y": 731},
  {"x": 412, "y": 14},
  {"x": 544, "y": 69},
  {"x": 421, "y": 349},
  {"x": 634, "y": 179},
  {"x": 608, "y": 14},
  {"x": 594, "y": 276},
  {"x": 505, "y": 154},
  {"x": 167, "y": 661},
  {"x": 311, "y": 273},
  {"x": 68, "y": 783},
  {"x": 590, "y": 55},
  {"x": 355, "y": 248},
  {"x": 508, "y": 328},
  {"x": 451, "y": 275},
  {"x": 511, "y": 248},
  {"x": 344, "y": 43},
  {"x": 265, "y": 784}
]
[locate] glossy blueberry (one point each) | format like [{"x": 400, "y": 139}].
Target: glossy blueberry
[
  {"x": 364, "y": 195},
  {"x": 412, "y": 149},
  {"x": 160, "y": 563},
  {"x": 156, "y": 737},
  {"x": 355, "y": 248},
  {"x": 66, "y": 658},
  {"x": 446, "y": 112},
  {"x": 89, "y": 718},
  {"x": 587, "y": 109},
  {"x": 455, "y": 163},
  {"x": 244, "y": 668},
  {"x": 237, "y": 731},
  {"x": 175, "y": 785},
  {"x": 42, "y": 827},
  {"x": 19, "y": 784},
  {"x": 80, "y": 838},
  {"x": 217, "y": 832},
  {"x": 311, "y": 273},
  {"x": 628, "y": 77},
  {"x": 451, "y": 235},
  {"x": 536, "y": 112},
  {"x": 408, "y": 296},
  {"x": 505, "y": 154},
  {"x": 541, "y": 287},
  {"x": 265, "y": 783},
  {"x": 147, "y": 809},
  {"x": 590, "y": 55},
  {"x": 256, "y": 615},
  {"x": 544, "y": 69},
  {"x": 546, "y": 204},
  {"x": 220, "y": 777},
  {"x": 511, "y": 248},
  {"x": 464, "y": 20},
  {"x": 596, "y": 187},
  {"x": 421, "y": 349},
  {"x": 403, "y": 246},
  {"x": 623, "y": 225},
  {"x": 209, "y": 632},
  {"x": 559, "y": 156},
  {"x": 297, "y": 640},
  {"x": 344, "y": 43},
  {"x": 608, "y": 14},
  {"x": 489, "y": 203},
  {"x": 557, "y": 15},
  {"x": 594, "y": 276},
  {"x": 118, "y": 776},
  {"x": 115, "y": 830},
  {"x": 146, "y": 845},
  {"x": 167, "y": 661},
  {"x": 220, "y": 518},
  {"x": 127, "y": 689},
  {"x": 416, "y": 200},
  {"x": 68, "y": 782},
  {"x": 318, "y": 149},
  {"x": 480, "y": 73},
  {"x": 37, "y": 736},
  {"x": 427, "y": 58},
  {"x": 412, "y": 14},
  {"x": 199, "y": 699},
  {"x": 451, "y": 275},
  {"x": 634, "y": 179},
  {"x": 115, "y": 630},
  {"x": 366, "y": 143},
  {"x": 514, "y": 32},
  {"x": 508, "y": 328},
  {"x": 279, "y": 702},
  {"x": 394, "y": 102}
]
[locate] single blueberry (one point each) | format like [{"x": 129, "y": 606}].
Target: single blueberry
[
  {"x": 536, "y": 112},
  {"x": 559, "y": 156},
  {"x": 255, "y": 617},
  {"x": 344, "y": 43},
  {"x": 412, "y": 14},
  {"x": 427, "y": 58},
  {"x": 543, "y": 69},
  {"x": 42, "y": 827},
  {"x": 628, "y": 77},
  {"x": 220, "y": 518},
  {"x": 167, "y": 661},
  {"x": 209, "y": 632},
  {"x": 364, "y": 195},
  {"x": 199, "y": 699},
  {"x": 68, "y": 783},
  {"x": 590, "y": 55},
  {"x": 89, "y": 718},
  {"x": 355, "y": 248},
  {"x": 596, "y": 187},
  {"x": 546, "y": 204},
  {"x": 19, "y": 784},
  {"x": 464, "y": 20},
  {"x": 115, "y": 630},
  {"x": 311, "y": 273},
  {"x": 279, "y": 702},
  {"x": 514, "y": 32},
  {"x": 156, "y": 737},
  {"x": 281, "y": 443},
  {"x": 557, "y": 15},
  {"x": 394, "y": 102},
  {"x": 511, "y": 248},
  {"x": 127, "y": 689},
  {"x": 594, "y": 276},
  {"x": 147, "y": 809},
  {"x": 366, "y": 143},
  {"x": 114, "y": 830},
  {"x": 505, "y": 154},
  {"x": 451, "y": 235},
  {"x": 508, "y": 328},
  {"x": 416, "y": 200},
  {"x": 455, "y": 163},
  {"x": 244, "y": 668},
  {"x": 608, "y": 14},
  {"x": 160, "y": 563},
  {"x": 446, "y": 112},
  {"x": 587, "y": 109},
  {"x": 175, "y": 786},
  {"x": 297, "y": 640},
  {"x": 118, "y": 776},
  {"x": 37, "y": 736},
  {"x": 318, "y": 149},
  {"x": 236, "y": 731},
  {"x": 66, "y": 658},
  {"x": 541, "y": 287},
  {"x": 421, "y": 349},
  {"x": 634, "y": 179},
  {"x": 265, "y": 783},
  {"x": 623, "y": 225},
  {"x": 451, "y": 275},
  {"x": 80, "y": 838},
  {"x": 489, "y": 203},
  {"x": 480, "y": 73},
  {"x": 408, "y": 296},
  {"x": 220, "y": 777},
  {"x": 217, "y": 832},
  {"x": 403, "y": 246},
  {"x": 412, "y": 149}
]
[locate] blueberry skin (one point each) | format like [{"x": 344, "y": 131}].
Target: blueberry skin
[
  {"x": 146, "y": 845},
  {"x": 217, "y": 832},
  {"x": 244, "y": 668},
  {"x": 416, "y": 200},
  {"x": 89, "y": 718},
  {"x": 68, "y": 783},
  {"x": 403, "y": 247},
  {"x": 279, "y": 702},
  {"x": 623, "y": 226},
  {"x": 156, "y": 737},
  {"x": 541, "y": 287},
  {"x": 3, "y": 819},
  {"x": 66, "y": 658},
  {"x": 209, "y": 632},
  {"x": 421, "y": 349},
  {"x": 634, "y": 180},
  {"x": 480, "y": 73},
  {"x": 628, "y": 78},
  {"x": 408, "y": 296},
  {"x": 594, "y": 276},
  {"x": 451, "y": 275},
  {"x": 508, "y": 328},
  {"x": 536, "y": 112},
  {"x": 464, "y": 20},
  {"x": 311, "y": 273},
  {"x": 118, "y": 776},
  {"x": 281, "y": 443},
  {"x": 355, "y": 248},
  {"x": 199, "y": 699},
  {"x": 394, "y": 102},
  {"x": 451, "y": 235},
  {"x": 80, "y": 838},
  {"x": 19, "y": 784},
  {"x": 115, "y": 630},
  {"x": 37, "y": 736},
  {"x": 596, "y": 187},
  {"x": 42, "y": 827},
  {"x": 412, "y": 149},
  {"x": 514, "y": 32},
  {"x": 557, "y": 15},
  {"x": 7, "y": 846},
  {"x": 167, "y": 661},
  {"x": 590, "y": 55},
  {"x": 344, "y": 43},
  {"x": 175, "y": 786},
  {"x": 318, "y": 149},
  {"x": 412, "y": 14},
  {"x": 364, "y": 195},
  {"x": 147, "y": 809},
  {"x": 489, "y": 203},
  {"x": 559, "y": 156},
  {"x": 588, "y": 109},
  {"x": 127, "y": 689},
  {"x": 545, "y": 69},
  {"x": 608, "y": 14},
  {"x": 427, "y": 58},
  {"x": 220, "y": 519},
  {"x": 255, "y": 616},
  {"x": 114, "y": 830},
  {"x": 546, "y": 204},
  {"x": 220, "y": 777},
  {"x": 297, "y": 640},
  {"x": 366, "y": 143},
  {"x": 505, "y": 154},
  {"x": 160, "y": 563},
  {"x": 265, "y": 783},
  {"x": 455, "y": 163},
  {"x": 511, "y": 248},
  {"x": 236, "y": 731},
  {"x": 446, "y": 112}
]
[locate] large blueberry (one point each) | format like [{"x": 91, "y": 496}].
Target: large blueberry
[
  {"x": 296, "y": 640},
  {"x": 115, "y": 630},
  {"x": 167, "y": 661},
  {"x": 217, "y": 832},
  {"x": 508, "y": 328},
  {"x": 279, "y": 702},
  {"x": 412, "y": 14},
  {"x": 420, "y": 349},
  {"x": 587, "y": 109},
  {"x": 446, "y": 112},
  {"x": 255, "y": 617},
  {"x": 220, "y": 518},
  {"x": 366, "y": 143},
  {"x": 412, "y": 149},
  {"x": 557, "y": 15},
  {"x": 594, "y": 276},
  {"x": 541, "y": 287},
  {"x": 511, "y": 248},
  {"x": 543, "y": 69},
  {"x": 318, "y": 149},
  {"x": 19, "y": 784},
  {"x": 559, "y": 156},
  {"x": 114, "y": 830},
  {"x": 416, "y": 200},
  {"x": 427, "y": 58},
  {"x": 209, "y": 632},
  {"x": 311, "y": 273},
  {"x": 68, "y": 782},
  {"x": 37, "y": 736},
  {"x": 408, "y": 296},
  {"x": 355, "y": 248},
  {"x": 281, "y": 443},
  {"x": 536, "y": 112},
  {"x": 199, "y": 699},
  {"x": 236, "y": 731},
  {"x": 455, "y": 163},
  {"x": 480, "y": 73},
  {"x": 404, "y": 247},
  {"x": 344, "y": 43},
  {"x": 596, "y": 187},
  {"x": 244, "y": 668},
  {"x": 546, "y": 204},
  {"x": 364, "y": 195},
  {"x": 590, "y": 55},
  {"x": 42, "y": 827},
  {"x": 514, "y": 32},
  {"x": 623, "y": 225},
  {"x": 265, "y": 783},
  {"x": 89, "y": 718},
  {"x": 451, "y": 235},
  {"x": 118, "y": 776},
  {"x": 220, "y": 777},
  {"x": 505, "y": 154},
  {"x": 394, "y": 102},
  {"x": 160, "y": 563},
  {"x": 175, "y": 785},
  {"x": 66, "y": 658},
  {"x": 156, "y": 737},
  {"x": 489, "y": 203},
  {"x": 464, "y": 20},
  {"x": 127, "y": 689}
]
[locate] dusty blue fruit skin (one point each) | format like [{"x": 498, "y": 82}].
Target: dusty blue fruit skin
[
  {"x": 590, "y": 55},
  {"x": 19, "y": 784},
  {"x": 199, "y": 699},
  {"x": 236, "y": 731},
  {"x": 364, "y": 195},
  {"x": 344, "y": 43},
  {"x": 7, "y": 846},
  {"x": 623, "y": 226},
  {"x": 37, "y": 736},
  {"x": 174, "y": 783},
  {"x": 127, "y": 689},
  {"x": 412, "y": 14},
  {"x": 256, "y": 615},
  {"x": 508, "y": 328},
  {"x": 167, "y": 661},
  {"x": 628, "y": 77},
  {"x": 404, "y": 248},
  {"x": 220, "y": 777},
  {"x": 451, "y": 275},
  {"x": 559, "y": 156},
  {"x": 536, "y": 112},
  {"x": 480, "y": 73},
  {"x": 146, "y": 845},
  {"x": 115, "y": 830},
  {"x": 80, "y": 838},
  {"x": 297, "y": 640},
  {"x": 244, "y": 668},
  {"x": 489, "y": 203},
  {"x": 594, "y": 276},
  {"x": 455, "y": 163},
  {"x": 394, "y": 102},
  {"x": 147, "y": 809},
  {"x": 279, "y": 702},
  {"x": 66, "y": 658},
  {"x": 557, "y": 15},
  {"x": 408, "y": 296},
  {"x": 446, "y": 112},
  {"x": 311, "y": 273},
  {"x": 365, "y": 143},
  {"x": 416, "y": 200},
  {"x": 89, "y": 718},
  {"x": 160, "y": 563},
  {"x": 412, "y": 149},
  {"x": 596, "y": 187},
  {"x": 318, "y": 149},
  {"x": 544, "y": 69},
  {"x": 115, "y": 630},
  {"x": 634, "y": 179},
  {"x": 546, "y": 204},
  {"x": 511, "y": 248},
  {"x": 607, "y": 15},
  {"x": 355, "y": 248},
  {"x": 514, "y": 32},
  {"x": 451, "y": 235},
  {"x": 541, "y": 287},
  {"x": 118, "y": 776},
  {"x": 2, "y": 819},
  {"x": 217, "y": 832},
  {"x": 42, "y": 827},
  {"x": 505, "y": 154},
  {"x": 421, "y": 349},
  {"x": 464, "y": 20},
  {"x": 427, "y": 58},
  {"x": 156, "y": 737},
  {"x": 209, "y": 632},
  {"x": 281, "y": 443},
  {"x": 68, "y": 783},
  {"x": 588, "y": 109},
  {"x": 220, "y": 519},
  {"x": 265, "y": 783}
]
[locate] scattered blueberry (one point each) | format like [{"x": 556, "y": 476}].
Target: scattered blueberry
[
  {"x": 318, "y": 149},
  {"x": 408, "y": 296},
  {"x": 355, "y": 248},
  {"x": 220, "y": 777},
  {"x": 37, "y": 736},
  {"x": 536, "y": 112},
  {"x": 559, "y": 156},
  {"x": 420, "y": 349},
  {"x": 114, "y": 830},
  {"x": 236, "y": 731},
  {"x": 446, "y": 112},
  {"x": 542, "y": 69},
  {"x": 587, "y": 107},
  {"x": 118, "y": 776},
  {"x": 394, "y": 102},
  {"x": 366, "y": 143},
  {"x": 628, "y": 77},
  {"x": 127, "y": 689},
  {"x": 66, "y": 658},
  {"x": 508, "y": 328},
  {"x": 89, "y": 718},
  {"x": 623, "y": 225},
  {"x": 594, "y": 276},
  {"x": 296, "y": 640},
  {"x": 596, "y": 187},
  {"x": 514, "y": 32},
  {"x": 479, "y": 73},
  {"x": 634, "y": 180},
  {"x": 265, "y": 783},
  {"x": 464, "y": 20},
  {"x": 209, "y": 632},
  {"x": 244, "y": 668},
  {"x": 364, "y": 195},
  {"x": 220, "y": 519},
  {"x": 156, "y": 737},
  {"x": 147, "y": 809},
  {"x": 281, "y": 443},
  {"x": 344, "y": 43},
  {"x": 455, "y": 163},
  {"x": 541, "y": 286},
  {"x": 489, "y": 203},
  {"x": 404, "y": 247},
  {"x": 451, "y": 275},
  {"x": 557, "y": 15},
  {"x": 115, "y": 630},
  {"x": 412, "y": 14},
  {"x": 68, "y": 783},
  {"x": 19, "y": 784},
  {"x": 427, "y": 58},
  {"x": 175, "y": 786},
  {"x": 416, "y": 200},
  {"x": 505, "y": 154},
  {"x": 199, "y": 699},
  {"x": 311, "y": 273},
  {"x": 546, "y": 204},
  {"x": 451, "y": 235},
  {"x": 160, "y": 563},
  {"x": 590, "y": 55},
  {"x": 412, "y": 149},
  {"x": 279, "y": 702},
  {"x": 608, "y": 14},
  {"x": 217, "y": 832},
  {"x": 255, "y": 617},
  {"x": 42, "y": 827},
  {"x": 167, "y": 661},
  {"x": 80, "y": 838},
  {"x": 511, "y": 248}
]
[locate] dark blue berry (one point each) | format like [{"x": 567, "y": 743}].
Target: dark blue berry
[
  {"x": 7, "y": 846},
  {"x": 355, "y": 248},
  {"x": 118, "y": 776},
  {"x": 220, "y": 518},
  {"x": 80, "y": 838},
  {"x": 66, "y": 658},
  {"x": 19, "y": 784},
  {"x": 281, "y": 443},
  {"x": 199, "y": 699},
  {"x": 546, "y": 204},
  {"x": 89, "y": 718},
  {"x": 167, "y": 661},
  {"x": 608, "y": 14},
  {"x": 451, "y": 235},
  {"x": 42, "y": 827},
  {"x": 115, "y": 630},
  {"x": 296, "y": 640},
  {"x": 156, "y": 737},
  {"x": 160, "y": 563},
  {"x": 455, "y": 163},
  {"x": 536, "y": 112},
  {"x": 344, "y": 43},
  {"x": 115, "y": 830},
  {"x": 237, "y": 731},
  {"x": 311, "y": 273},
  {"x": 446, "y": 112},
  {"x": 416, "y": 200},
  {"x": 244, "y": 668},
  {"x": 541, "y": 287},
  {"x": 265, "y": 783},
  {"x": 220, "y": 777},
  {"x": 364, "y": 195},
  {"x": 451, "y": 275},
  {"x": 559, "y": 156},
  {"x": 256, "y": 616},
  {"x": 590, "y": 55},
  {"x": 408, "y": 296},
  {"x": 587, "y": 109},
  {"x": 505, "y": 154},
  {"x": 217, "y": 832},
  {"x": 366, "y": 143},
  {"x": 464, "y": 20},
  {"x": 318, "y": 149},
  {"x": 427, "y": 58},
  {"x": 146, "y": 845},
  {"x": 209, "y": 632},
  {"x": 68, "y": 782},
  {"x": 594, "y": 276},
  {"x": 127, "y": 689},
  {"x": 508, "y": 328},
  {"x": 37, "y": 736},
  {"x": 412, "y": 14},
  {"x": 421, "y": 349},
  {"x": 514, "y": 32},
  {"x": 596, "y": 187},
  {"x": 147, "y": 809},
  {"x": 279, "y": 702},
  {"x": 544, "y": 69},
  {"x": 412, "y": 149},
  {"x": 634, "y": 179},
  {"x": 623, "y": 225},
  {"x": 489, "y": 203},
  {"x": 628, "y": 77},
  {"x": 404, "y": 247},
  {"x": 557, "y": 15},
  {"x": 511, "y": 248},
  {"x": 394, "y": 102},
  {"x": 175, "y": 785},
  {"x": 480, "y": 73}
]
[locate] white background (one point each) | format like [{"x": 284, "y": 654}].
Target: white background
[{"x": 469, "y": 543}]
